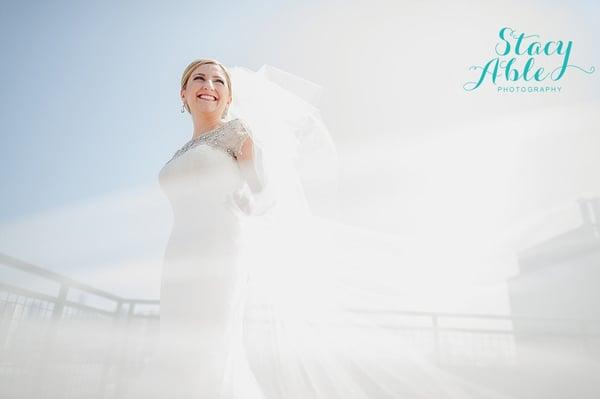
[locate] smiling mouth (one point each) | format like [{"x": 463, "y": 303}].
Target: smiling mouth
[{"x": 207, "y": 97}]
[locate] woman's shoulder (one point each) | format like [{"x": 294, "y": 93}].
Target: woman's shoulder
[
  {"x": 236, "y": 135},
  {"x": 239, "y": 126},
  {"x": 238, "y": 131}
]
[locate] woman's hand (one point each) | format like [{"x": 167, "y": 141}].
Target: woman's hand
[
  {"x": 244, "y": 201},
  {"x": 253, "y": 203}
]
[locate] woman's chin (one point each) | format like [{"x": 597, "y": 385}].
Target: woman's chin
[{"x": 207, "y": 111}]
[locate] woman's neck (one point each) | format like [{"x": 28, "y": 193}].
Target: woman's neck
[{"x": 205, "y": 124}]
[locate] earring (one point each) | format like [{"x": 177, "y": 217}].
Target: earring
[
  {"x": 183, "y": 108},
  {"x": 224, "y": 115}
]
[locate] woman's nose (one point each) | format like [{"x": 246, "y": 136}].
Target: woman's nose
[{"x": 208, "y": 84}]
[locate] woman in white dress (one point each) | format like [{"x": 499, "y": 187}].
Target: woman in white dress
[
  {"x": 228, "y": 175},
  {"x": 200, "y": 353}
]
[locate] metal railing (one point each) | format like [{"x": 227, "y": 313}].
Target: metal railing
[
  {"x": 32, "y": 323},
  {"x": 450, "y": 339},
  {"x": 59, "y": 303}
]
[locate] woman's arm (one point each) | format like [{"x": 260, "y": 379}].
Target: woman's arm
[
  {"x": 249, "y": 161},
  {"x": 257, "y": 200}
]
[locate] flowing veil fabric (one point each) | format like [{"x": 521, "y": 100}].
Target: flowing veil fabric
[
  {"x": 294, "y": 148},
  {"x": 309, "y": 274}
]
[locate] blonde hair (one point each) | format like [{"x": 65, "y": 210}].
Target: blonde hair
[{"x": 196, "y": 63}]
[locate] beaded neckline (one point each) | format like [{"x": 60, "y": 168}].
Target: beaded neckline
[
  {"x": 211, "y": 131},
  {"x": 209, "y": 136}
]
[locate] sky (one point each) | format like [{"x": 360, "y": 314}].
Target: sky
[
  {"x": 90, "y": 99},
  {"x": 90, "y": 110}
]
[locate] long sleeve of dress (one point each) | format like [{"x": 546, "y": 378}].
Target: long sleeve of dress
[{"x": 256, "y": 196}]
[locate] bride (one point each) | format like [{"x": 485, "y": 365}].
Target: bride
[
  {"x": 242, "y": 238},
  {"x": 200, "y": 352}
]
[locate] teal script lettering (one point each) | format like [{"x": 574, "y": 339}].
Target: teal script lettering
[{"x": 516, "y": 56}]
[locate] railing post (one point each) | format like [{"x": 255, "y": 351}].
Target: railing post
[
  {"x": 585, "y": 343},
  {"x": 118, "y": 311},
  {"x": 130, "y": 313},
  {"x": 436, "y": 339},
  {"x": 61, "y": 300},
  {"x": 46, "y": 355}
]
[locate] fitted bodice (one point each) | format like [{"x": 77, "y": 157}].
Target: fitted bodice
[
  {"x": 228, "y": 137},
  {"x": 199, "y": 181},
  {"x": 204, "y": 172}
]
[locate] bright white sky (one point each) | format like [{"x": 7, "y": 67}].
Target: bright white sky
[{"x": 90, "y": 113}]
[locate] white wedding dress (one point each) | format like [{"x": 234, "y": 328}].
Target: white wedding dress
[
  {"x": 200, "y": 352},
  {"x": 207, "y": 347}
]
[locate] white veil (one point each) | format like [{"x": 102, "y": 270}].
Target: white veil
[
  {"x": 295, "y": 150},
  {"x": 306, "y": 272}
]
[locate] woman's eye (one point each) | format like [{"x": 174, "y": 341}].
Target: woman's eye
[{"x": 218, "y": 80}]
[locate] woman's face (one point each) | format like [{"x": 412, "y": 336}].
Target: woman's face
[{"x": 206, "y": 90}]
